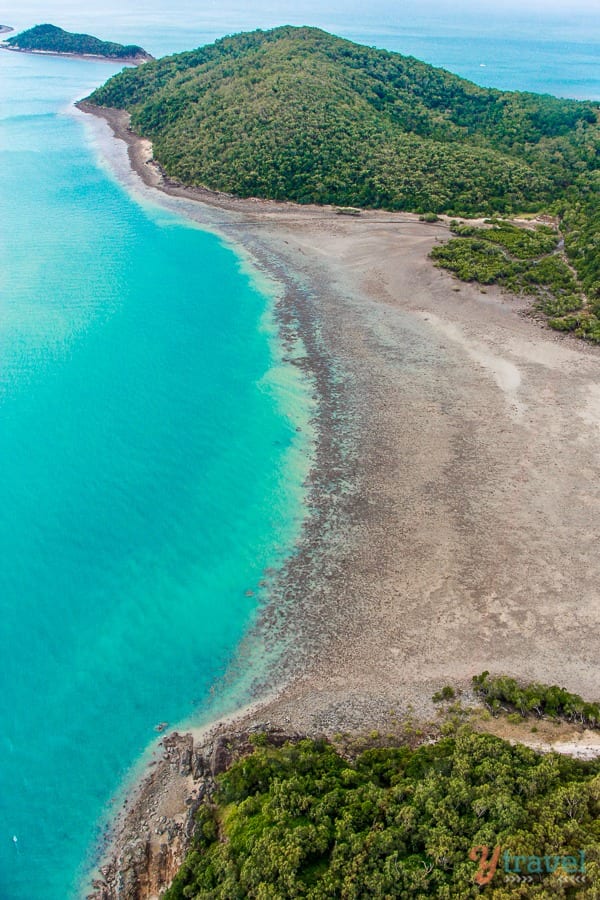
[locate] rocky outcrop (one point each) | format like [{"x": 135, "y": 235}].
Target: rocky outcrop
[{"x": 155, "y": 826}]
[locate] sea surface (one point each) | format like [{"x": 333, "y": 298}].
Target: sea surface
[
  {"x": 150, "y": 471},
  {"x": 153, "y": 443}
]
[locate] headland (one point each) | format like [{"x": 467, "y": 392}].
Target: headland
[{"x": 455, "y": 496}]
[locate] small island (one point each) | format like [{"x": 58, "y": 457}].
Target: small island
[
  {"x": 4, "y": 29},
  {"x": 51, "y": 39}
]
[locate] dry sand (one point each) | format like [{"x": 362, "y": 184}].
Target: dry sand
[{"x": 456, "y": 493}]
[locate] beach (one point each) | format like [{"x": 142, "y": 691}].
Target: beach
[
  {"x": 125, "y": 60},
  {"x": 455, "y": 496}
]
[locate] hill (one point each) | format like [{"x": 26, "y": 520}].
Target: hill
[
  {"x": 299, "y": 114},
  {"x": 51, "y": 39},
  {"x": 440, "y": 820},
  {"x": 295, "y": 113}
]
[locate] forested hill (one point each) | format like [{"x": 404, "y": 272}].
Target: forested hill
[
  {"x": 51, "y": 39},
  {"x": 299, "y": 114}
]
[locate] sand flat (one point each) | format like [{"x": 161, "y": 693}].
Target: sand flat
[
  {"x": 477, "y": 485},
  {"x": 456, "y": 490},
  {"x": 457, "y": 487}
]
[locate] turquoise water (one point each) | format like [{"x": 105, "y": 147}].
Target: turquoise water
[
  {"x": 147, "y": 476},
  {"x": 150, "y": 467}
]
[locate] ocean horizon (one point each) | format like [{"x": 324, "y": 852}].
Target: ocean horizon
[
  {"x": 552, "y": 49},
  {"x": 154, "y": 442}
]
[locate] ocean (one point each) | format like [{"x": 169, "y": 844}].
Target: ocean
[
  {"x": 151, "y": 471},
  {"x": 153, "y": 442}
]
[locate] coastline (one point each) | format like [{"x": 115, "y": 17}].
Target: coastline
[
  {"x": 455, "y": 495},
  {"x": 125, "y": 60}
]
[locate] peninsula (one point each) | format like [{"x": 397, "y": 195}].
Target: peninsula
[
  {"x": 298, "y": 114},
  {"x": 54, "y": 40},
  {"x": 456, "y": 488}
]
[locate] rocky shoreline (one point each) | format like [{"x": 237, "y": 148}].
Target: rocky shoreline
[{"x": 156, "y": 825}]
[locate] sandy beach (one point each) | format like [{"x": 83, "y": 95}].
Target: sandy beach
[
  {"x": 126, "y": 60},
  {"x": 456, "y": 493}
]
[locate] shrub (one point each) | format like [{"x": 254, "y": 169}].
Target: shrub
[{"x": 446, "y": 693}]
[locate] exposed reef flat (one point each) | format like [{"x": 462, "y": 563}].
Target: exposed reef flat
[{"x": 456, "y": 493}]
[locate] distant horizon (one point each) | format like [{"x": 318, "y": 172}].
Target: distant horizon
[
  {"x": 521, "y": 47},
  {"x": 385, "y": 7},
  {"x": 236, "y": 17}
]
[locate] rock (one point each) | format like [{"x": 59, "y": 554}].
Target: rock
[
  {"x": 200, "y": 763},
  {"x": 148, "y": 845},
  {"x": 221, "y": 756},
  {"x": 179, "y": 751}
]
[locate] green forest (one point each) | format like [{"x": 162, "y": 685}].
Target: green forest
[
  {"x": 52, "y": 39},
  {"x": 529, "y": 261},
  {"x": 299, "y": 114},
  {"x": 304, "y": 820},
  {"x": 542, "y": 700}
]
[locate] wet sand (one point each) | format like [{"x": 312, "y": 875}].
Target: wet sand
[{"x": 456, "y": 492}]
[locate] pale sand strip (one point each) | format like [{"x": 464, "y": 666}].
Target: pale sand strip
[{"x": 457, "y": 488}]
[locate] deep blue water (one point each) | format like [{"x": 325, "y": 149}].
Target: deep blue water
[{"x": 150, "y": 466}]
